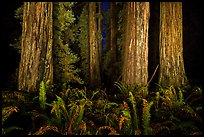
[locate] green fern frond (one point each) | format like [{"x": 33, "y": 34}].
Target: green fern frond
[
  {"x": 111, "y": 129},
  {"x": 123, "y": 88},
  {"x": 196, "y": 94},
  {"x": 10, "y": 129},
  {"x": 142, "y": 91},
  {"x": 42, "y": 95},
  {"x": 56, "y": 110},
  {"x": 109, "y": 105},
  {"x": 79, "y": 118},
  {"x": 45, "y": 129},
  {"x": 71, "y": 111},
  {"x": 157, "y": 99},
  {"x": 59, "y": 108},
  {"x": 74, "y": 118},
  {"x": 146, "y": 116},
  {"x": 94, "y": 94},
  {"x": 134, "y": 116},
  {"x": 181, "y": 98},
  {"x": 7, "y": 111}
]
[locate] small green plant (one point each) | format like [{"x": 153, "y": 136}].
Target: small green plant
[
  {"x": 44, "y": 88},
  {"x": 146, "y": 117},
  {"x": 174, "y": 113},
  {"x": 42, "y": 95},
  {"x": 134, "y": 115}
]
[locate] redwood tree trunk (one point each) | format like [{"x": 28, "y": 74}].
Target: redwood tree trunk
[
  {"x": 172, "y": 70},
  {"x": 95, "y": 78},
  {"x": 135, "y": 60},
  {"x": 36, "y": 46}
]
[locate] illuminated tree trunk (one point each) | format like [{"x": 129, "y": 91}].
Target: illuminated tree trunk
[
  {"x": 95, "y": 78},
  {"x": 36, "y": 46},
  {"x": 135, "y": 60},
  {"x": 172, "y": 70}
]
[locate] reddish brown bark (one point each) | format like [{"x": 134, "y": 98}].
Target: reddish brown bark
[
  {"x": 95, "y": 78},
  {"x": 36, "y": 46},
  {"x": 135, "y": 61},
  {"x": 172, "y": 70}
]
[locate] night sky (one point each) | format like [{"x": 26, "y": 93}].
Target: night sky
[
  {"x": 105, "y": 6},
  {"x": 10, "y": 28}
]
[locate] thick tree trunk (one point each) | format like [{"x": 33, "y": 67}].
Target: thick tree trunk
[
  {"x": 172, "y": 70},
  {"x": 135, "y": 60},
  {"x": 36, "y": 46},
  {"x": 95, "y": 78}
]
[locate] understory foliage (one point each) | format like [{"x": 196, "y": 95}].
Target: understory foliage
[
  {"x": 64, "y": 59},
  {"x": 73, "y": 111},
  {"x": 6, "y": 112},
  {"x": 82, "y": 38}
]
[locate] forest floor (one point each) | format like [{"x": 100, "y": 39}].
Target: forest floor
[{"x": 122, "y": 110}]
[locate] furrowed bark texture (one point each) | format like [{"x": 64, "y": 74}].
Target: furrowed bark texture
[
  {"x": 172, "y": 70},
  {"x": 95, "y": 78},
  {"x": 135, "y": 61},
  {"x": 36, "y": 46}
]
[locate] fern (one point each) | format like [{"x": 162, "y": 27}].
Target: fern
[
  {"x": 111, "y": 129},
  {"x": 141, "y": 91},
  {"x": 94, "y": 94},
  {"x": 42, "y": 95},
  {"x": 171, "y": 98},
  {"x": 176, "y": 109},
  {"x": 134, "y": 116},
  {"x": 79, "y": 118},
  {"x": 184, "y": 127},
  {"x": 59, "y": 109},
  {"x": 10, "y": 129},
  {"x": 157, "y": 99},
  {"x": 45, "y": 129},
  {"x": 146, "y": 116},
  {"x": 83, "y": 128},
  {"x": 7, "y": 111},
  {"x": 123, "y": 88},
  {"x": 181, "y": 99},
  {"x": 160, "y": 128},
  {"x": 74, "y": 118},
  {"x": 71, "y": 110}
]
